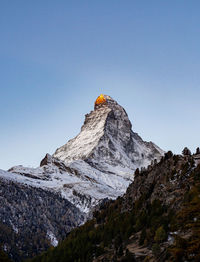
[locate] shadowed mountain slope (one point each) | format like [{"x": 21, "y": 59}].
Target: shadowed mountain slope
[{"x": 157, "y": 219}]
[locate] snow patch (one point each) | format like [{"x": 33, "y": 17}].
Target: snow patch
[
  {"x": 14, "y": 227},
  {"x": 52, "y": 238}
]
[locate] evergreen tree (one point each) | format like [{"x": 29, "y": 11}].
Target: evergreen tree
[
  {"x": 186, "y": 151},
  {"x": 137, "y": 172},
  {"x": 160, "y": 234},
  {"x": 197, "y": 151}
]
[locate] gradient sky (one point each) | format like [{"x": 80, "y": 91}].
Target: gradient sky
[{"x": 56, "y": 57}]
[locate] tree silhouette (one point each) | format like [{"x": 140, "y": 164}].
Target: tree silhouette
[{"x": 186, "y": 151}]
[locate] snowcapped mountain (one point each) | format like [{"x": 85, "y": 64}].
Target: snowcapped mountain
[
  {"x": 107, "y": 143},
  {"x": 98, "y": 163}
]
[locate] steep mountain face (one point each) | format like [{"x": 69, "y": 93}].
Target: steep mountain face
[
  {"x": 97, "y": 164},
  {"x": 157, "y": 219},
  {"x": 107, "y": 143},
  {"x": 106, "y": 152}
]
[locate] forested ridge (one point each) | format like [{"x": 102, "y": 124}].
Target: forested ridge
[{"x": 158, "y": 219}]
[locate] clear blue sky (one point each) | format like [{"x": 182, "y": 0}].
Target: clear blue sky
[{"x": 56, "y": 57}]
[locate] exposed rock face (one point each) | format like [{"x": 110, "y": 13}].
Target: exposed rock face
[
  {"x": 166, "y": 181},
  {"x": 106, "y": 142},
  {"x": 97, "y": 164},
  {"x": 46, "y": 160}
]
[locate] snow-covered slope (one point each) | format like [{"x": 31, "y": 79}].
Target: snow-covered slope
[{"x": 98, "y": 163}]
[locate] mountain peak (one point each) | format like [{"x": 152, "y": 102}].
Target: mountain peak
[
  {"x": 100, "y": 100},
  {"x": 107, "y": 117},
  {"x": 107, "y": 142},
  {"x": 104, "y": 100}
]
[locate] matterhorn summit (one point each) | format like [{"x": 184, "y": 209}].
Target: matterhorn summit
[
  {"x": 108, "y": 144},
  {"x": 97, "y": 164}
]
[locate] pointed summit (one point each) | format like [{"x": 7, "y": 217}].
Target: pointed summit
[
  {"x": 107, "y": 142},
  {"x": 104, "y": 100},
  {"x": 100, "y": 100}
]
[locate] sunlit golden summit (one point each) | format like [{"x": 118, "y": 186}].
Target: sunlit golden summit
[{"x": 100, "y": 100}]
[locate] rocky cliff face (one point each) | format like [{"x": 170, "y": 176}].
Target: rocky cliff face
[
  {"x": 106, "y": 142},
  {"x": 97, "y": 164}
]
